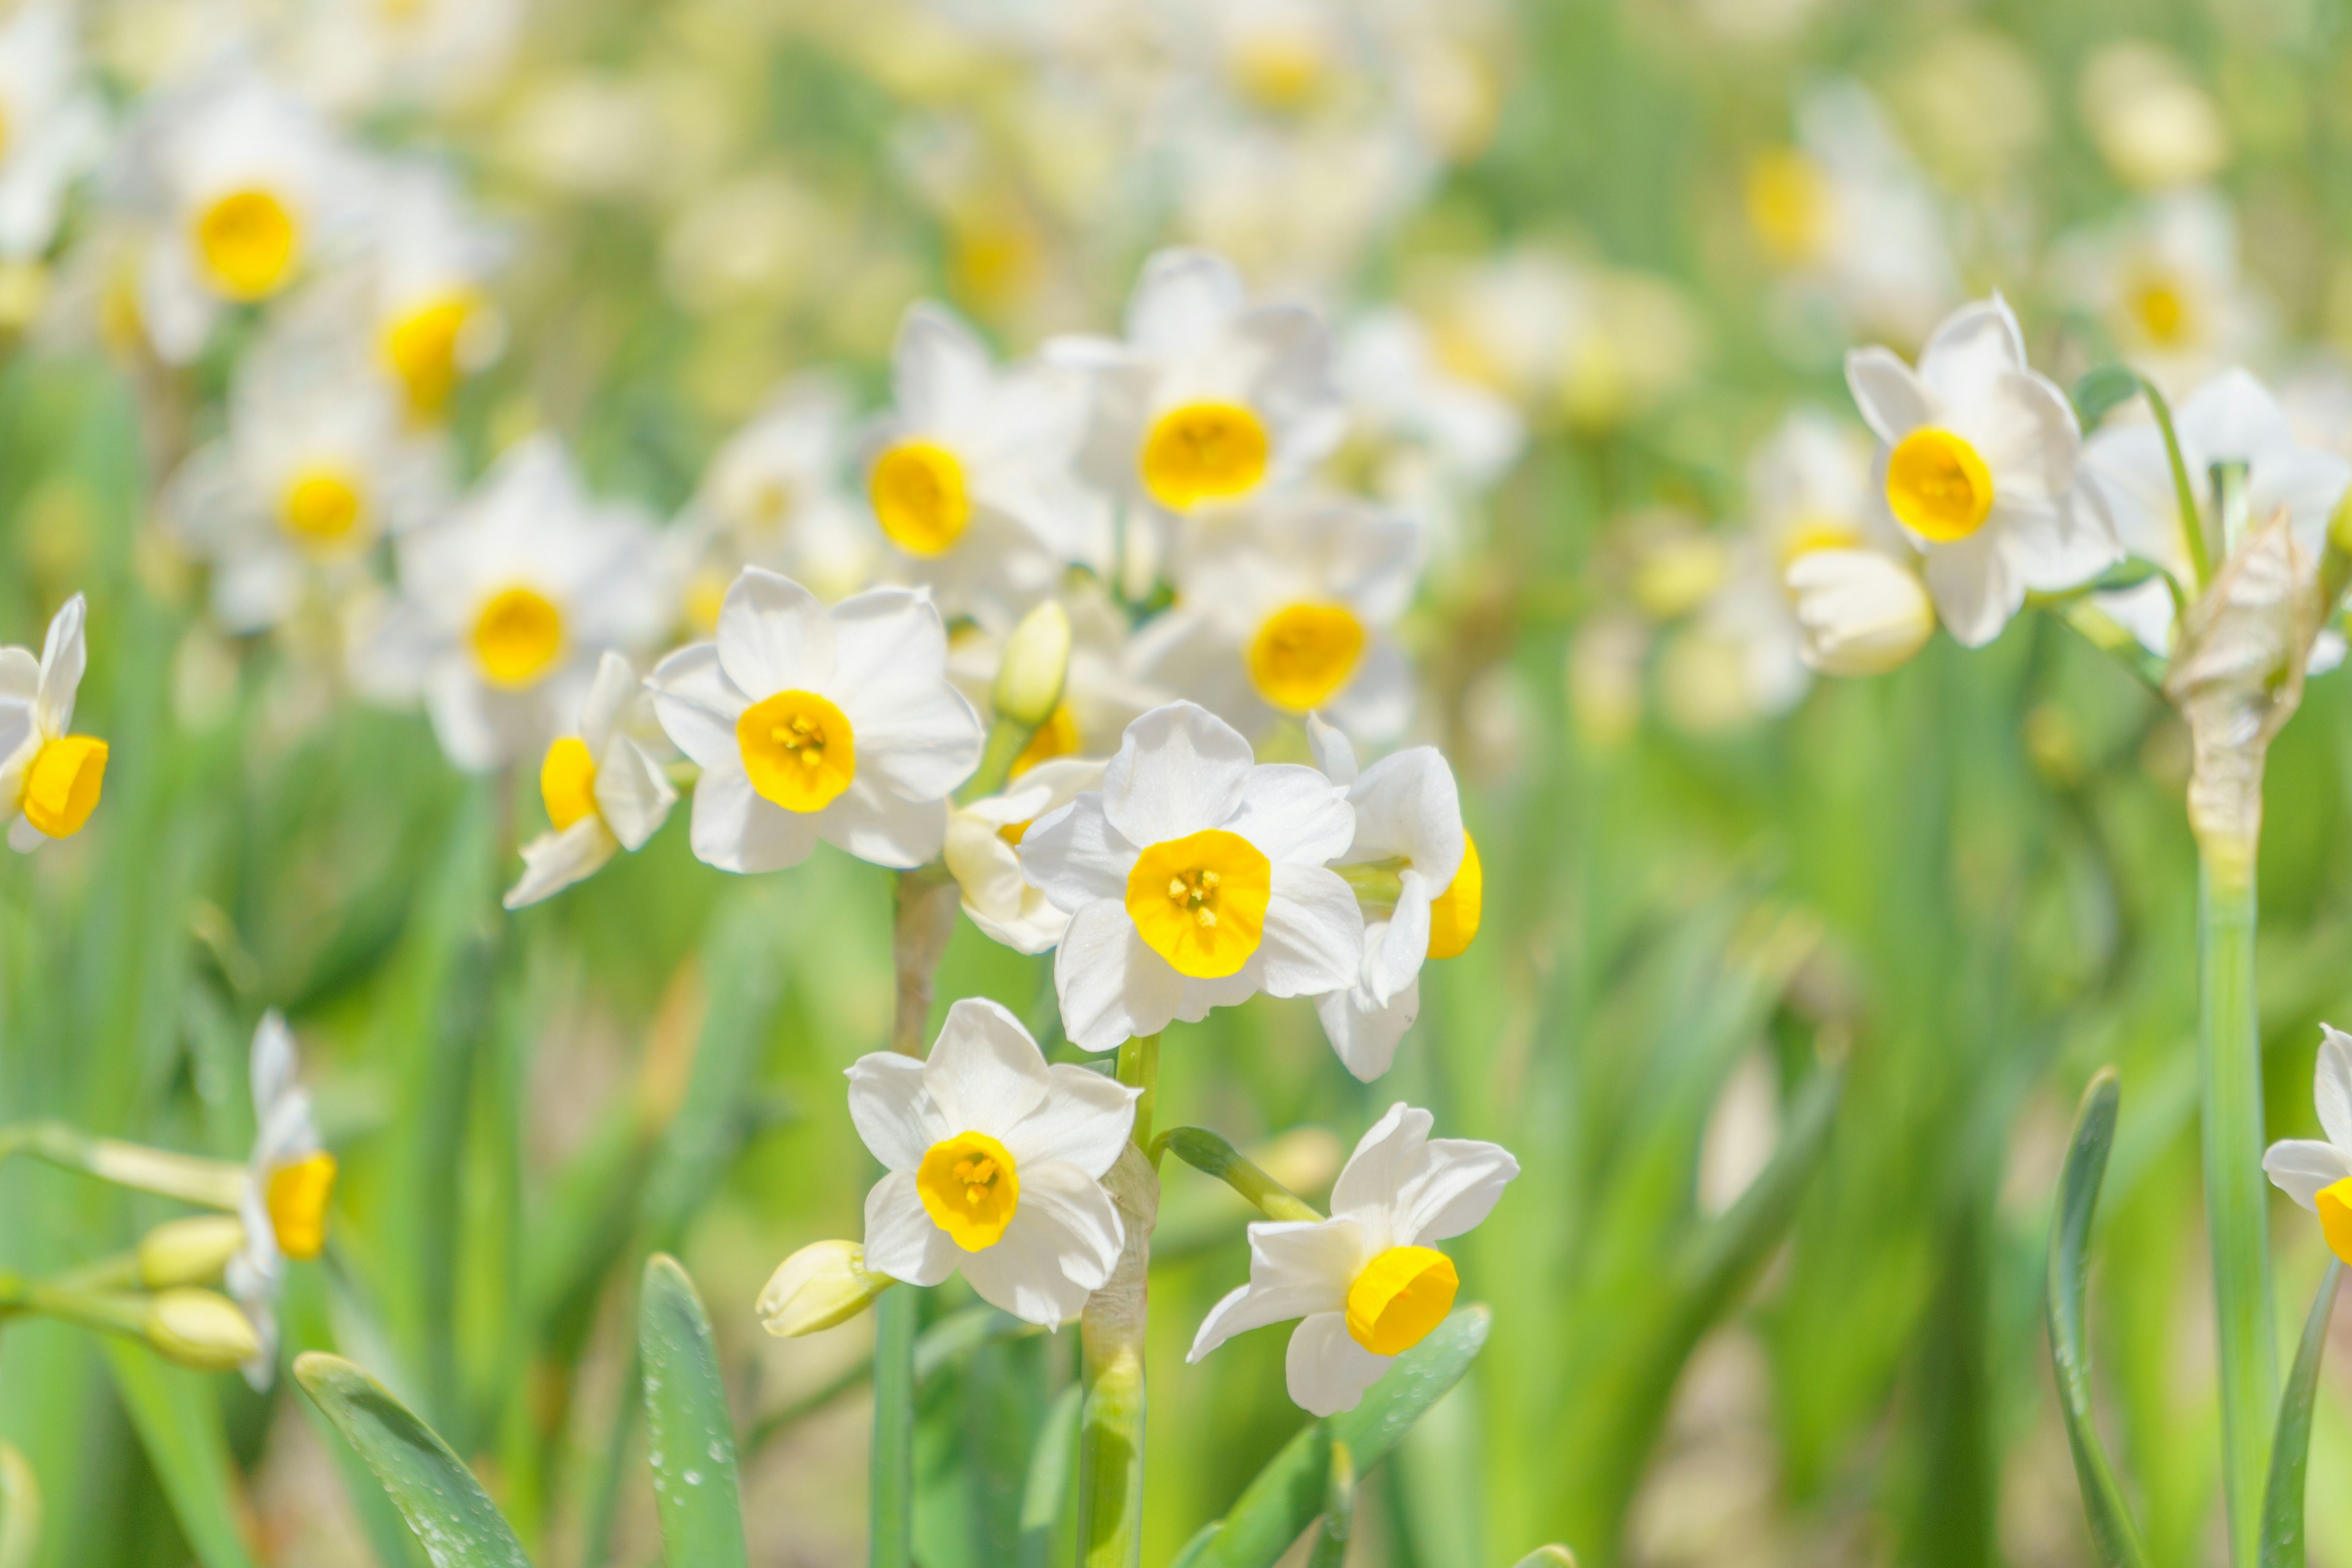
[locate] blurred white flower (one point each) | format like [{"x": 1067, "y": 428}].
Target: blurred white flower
[
  {"x": 2318, "y": 1175},
  {"x": 995, "y": 1164},
  {"x": 1365, "y": 1284},
  {"x": 2164, "y": 280},
  {"x": 1194, "y": 879},
  {"x": 289, "y": 1180},
  {"x": 431, "y": 257},
  {"x": 52, "y": 124},
  {"x": 1977, "y": 464},
  {"x": 356, "y": 55},
  {"x": 507, "y": 604},
  {"x": 603, "y": 789},
  {"x": 1858, "y": 612},
  {"x": 1432, "y": 440},
  {"x": 1284, "y": 608},
  {"x": 811, "y": 722},
  {"x": 774, "y": 497},
  {"x": 982, "y": 852},
  {"x": 49, "y": 776},
  {"x": 2155, "y": 126}
]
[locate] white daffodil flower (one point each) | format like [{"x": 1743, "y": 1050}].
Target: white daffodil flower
[
  {"x": 1194, "y": 879},
  {"x": 1432, "y": 440},
  {"x": 55, "y": 125},
  {"x": 2318, "y": 1175},
  {"x": 2232, "y": 417},
  {"x": 1421, "y": 885},
  {"x": 2166, "y": 280},
  {"x": 354, "y": 56},
  {"x": 1100, "y": 694},
  {"x": 1366, "y": 1283},
  {"x": 996, "y": 1164},
  {"x": 1210, "y": 400},
  {"x": 507, "y": 604},
  {"x": 982, "y": 852},
  {"x": 430, "y": 264},
  {"x": 971, "y": 475},
  {"x": 1283, "y": 609},
  {"x": 812, "y": 723},
  {"x": 604, "y": 791},
  {"x": 1977, "y": 464},
  {"x": 290, "y": 1180},
  {"x": 49, "y": 776},
  {"x": 773, "y": 498},
  {"x": 314, "y": 468}
]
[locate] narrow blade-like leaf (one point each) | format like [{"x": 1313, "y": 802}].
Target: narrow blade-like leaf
[
  {"x": 179, "y": 1424},
  {"x": 20, "y": 1511},
  {"x": 2291, "y": 1449},
  {"x": 693, "y": 1446}
]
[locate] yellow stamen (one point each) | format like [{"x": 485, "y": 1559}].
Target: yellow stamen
[
  {"x": 970, "y": 1189},
  {"x": 297, "y": 1200},
  {"x": 1057, "y": 737},
  {"x": 1453, "y": 914},
  {"x": 798, "y": 748},
  {"x": 420, "y": 345},
  {"x": 1200, "y": 901},
  {"x": 62, "y": 785},
  {"x": 1204, "y": 452},
  {"x": 2162, "y": 312},
  {"x": 919, "y": 499},
  {"x": 248, "y": 244},
  {"x": 1304, "y": 654},
  {"x": 1937, "y": 485},
  {"x": 517, "y": 637},
  {"x": 322, "y": 507},
  {"x": 567, "y": 782},
  {"x": 1401, "y": 1296}
]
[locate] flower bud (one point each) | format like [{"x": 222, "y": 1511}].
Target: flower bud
[
  {"x": 822, "y": 1286},
  {"x": 189, "y": 1251},
  {"x": 1036, "y": 662},
  {"x": 201, "y": 1328},
  {"x": 1858, "y": 612}
]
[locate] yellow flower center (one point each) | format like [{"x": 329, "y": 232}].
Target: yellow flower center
[
  {"x": 247, "y": 243},
  {"x": 517, "y": 637},
  {"x": 567, "y": 782},
  {"x": 770, "y": 503},
  {"x": 1937, "y": 485},
  {"x": 296, "y": 1199},
  {"x": 1304, "y": 654},
  {"x": 1200, "y": 901},
  {"x": 970, "y": 1189},
  {"x": 1789, "y": 206},
  {"x": 1277, "y": 68},
  {"x": 798, "y": 748},
  {"x": 61, "y": 786},
  {"x": 322, "y": 507},
  {"x": 2335, "y": 1205},
  {"x": 1203, "y": 452},
  {"x": 1057, "y": 737},
  {"x": 2162, "y": 312},
  {"x": 1401, "y": 1296},
  {"x": 420, "y": 345},
  {"x": 1454, "y": 913},
  {"x": 919, "y": 499}
]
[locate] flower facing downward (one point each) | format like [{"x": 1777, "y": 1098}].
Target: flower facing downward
[
  {"x": 290, "y": 1180},
  {"x": 49, "y": 777},
  {"x": 1193, "y": 879},
  {"x": 983, "y": 853},
  {"x": 604, "y": 791},
  {"x": 1858, "y": 612},
  {"x": 1365, "y": 1283},
  {"x": 996, "y": 1164},
  {"x": 2315, "y": 1174},
  {"x": 811, "y": 723}
]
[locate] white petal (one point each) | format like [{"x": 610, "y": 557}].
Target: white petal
[
  {"x": 1297, "y": 1268},
  {"x": 64, "y": 656},
  {"x": 1182, "y": 301},
  {"x": 1974, "y": 590},
  {"x": 890, "y": 1105},
  {"x": 1332, "y": 751},
  {"x": 1387, "y": 1158},
  {"x": 1408, "y": 804},
  {"x": 2331, "y": 1089},
  {"x": 1458, "y": 1183},
  {"x": 20, "y": 676},
  {"x": 1294, "y": 813},
  {"x": 1314, "y": 934},
  {"x": 881, "y": 828},
  {"x": 2300, "y": 1167},
  {"x": 1889, "y": 395},
  {"x": 1059, "y": 1248},
  {"x": 1111, "y": 986},
  {"x": 940, "y": 373},
  {"x": 1179, "y": 768},
  {"x": 984, "y": 1073},
  {"x": 2055, "y": 547},
  {"x": 554, "y": 861},
  {"x": 735, "y": 829},
  {"x": 773, "y": 636},
  {"x": 633, "y": 794},
  {"x": 914, "y": 731},
  {"x": 1377, "y": 702},
  {"x": 1075, "y": 855},
  {"x": 1328, "y": 1371},
  {"x": 1084, "y": 1121},
  {"x": 697, "y": 705},
  {"x": 480, "y": 729},
  {"x": 1394, "y": 949},
  {"x": 616, "y": 686},
  {"x": 23, "y": 837},
  {"x": 1365, "y": 1033},
  {"x": 900, "y": 1239},
  {"x": 1971, "y": 350},
  {"x": 270, "y": 1068}
]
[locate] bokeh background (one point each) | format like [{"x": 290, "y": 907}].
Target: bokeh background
[{"x": 1652, "y": 227}]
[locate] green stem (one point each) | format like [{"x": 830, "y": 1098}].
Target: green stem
[
  {"x": 2235, "y": 1201},
  {"x": 1006, "y": 741},
  {"x": 892, "y": 1541},
  {"x": 1110, "y": 1431},
  {"x": 209, "y": 1183},
  {"x": 1212, "y": 1155},
  {"x": 1139, "y": 1068},
  {"x": 2192, "y": 518}
]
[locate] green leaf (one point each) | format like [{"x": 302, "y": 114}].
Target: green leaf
[
  {"x": 693, "y": 1437},
  {"x": 20, "y": 1511},
  {"x": 891, "y": 1473},
  {"x": 1294, "y": 1486},
  {"x": 1330, "y": 1548},
  {"x": 445, "y": 1506},
  {"x": 2070, "y": 1266},
  {"x": 1552, "y": 1556},
  {"x": 179, "y": 1425},
  {"x": 1052, "y": 1464},
  {"x": 2291, "y": 1450},
  {"x": 2102, "y": 390}
]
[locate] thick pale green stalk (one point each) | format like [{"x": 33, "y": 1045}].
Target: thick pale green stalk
[
  {"x": 892, "y": 1541},
  {"x": 2235, "y": 1201},
  {"x": 1110, "y": 1430}
]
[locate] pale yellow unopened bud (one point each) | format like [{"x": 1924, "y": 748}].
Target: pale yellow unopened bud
[
  {"x": 201, "y": 1328},
  {"x": 189, "y": 1251},
  {"x": 1858, "y": 612},
  {"x": 2339, "y": 525},
  {"x": 1036, "y": 662},
  {"x": 822, "y": 1286}
]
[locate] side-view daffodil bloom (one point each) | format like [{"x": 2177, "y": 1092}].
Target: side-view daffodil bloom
[
  {"x": 1366, "y": 1284},
  {"x": 2318, "y": 1175},
  {"x": 983, "y": 853},
  {"x": 1194, "y": 877},
  {"x": 290, "y": 1178},
  {"x": 49, "y": 776},
  {"x": 604, "y": 791},
  {"x": 995, "y": 1164},
  {"x": 1977, "y": 462},
  {"x": 812, "y": 723}
]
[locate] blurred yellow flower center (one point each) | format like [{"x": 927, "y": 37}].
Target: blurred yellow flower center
[
  {"x": 1057, "y": 737},
  {"x": 1203, "y": 452},
  {"x": 321, "y": 506},
  {"x": 420, "y": 345},
  {"x": 2162, "y": 312},
  {"x": 970, "y": 1189},
  {"x": 798, "y": 749},
  {"x": 1454, "y": 913},
  {"x": 62, "y": 785},
  {"x": 1401, "y": 1296},
  {"x": 1817, "y": 530},
  {"x": 1277, "y": 68},
  {"x": 518, "y": 635},
  {"x": 706, "y": 595},
  {"x": 1789, "y": 206},
  {"x": 1937, "y": 485},
  {"x": 919, "y": 499},
  {"x": 2335, "y": 1205},
  {"x": 567, "y": 782},
  {"x": 1304, "y": 654},
  {"x": 1200, "y": 901},
  {"x": 297, "y": 1200},
  {"x": 246, "y": 242},
  {"x": 770, "y": 503}
]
